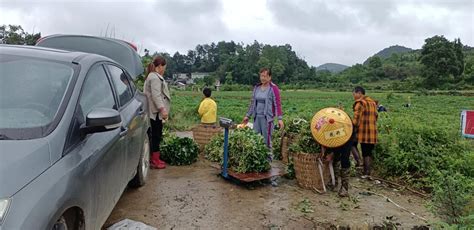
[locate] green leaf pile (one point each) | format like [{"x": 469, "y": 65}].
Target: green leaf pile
[
  {"x": 304, "y": 142},
  {"x": 214, "y": 150},
  {"x": 179, "y": 151},
  {"x": 276, "y": 144},
  {"x": 247, "y": 151},
  {"x": 295, "y": 125}
]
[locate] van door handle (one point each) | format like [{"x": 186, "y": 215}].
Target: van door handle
[
  {"x": 123, "y": 131},
  {"x": 141, "y": 111}
]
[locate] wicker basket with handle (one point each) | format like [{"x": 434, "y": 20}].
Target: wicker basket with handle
[{"x": 307, "y": 171}]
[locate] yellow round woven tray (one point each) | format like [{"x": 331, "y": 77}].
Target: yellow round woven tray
[{"x": 331, "y": 127}]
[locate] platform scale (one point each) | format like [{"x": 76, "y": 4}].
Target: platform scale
[{"x": 277, "y": 168}]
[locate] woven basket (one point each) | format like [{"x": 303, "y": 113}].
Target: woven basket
[
  {"x": 203, "y": 133},
  {"x": 285, "y": 148},
  {"x": 307, "y": 171}
]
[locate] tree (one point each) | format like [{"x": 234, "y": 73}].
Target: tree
[
  {"x": 277, "y": 70},
  {"x": 439, "y": 61},
  {"x": 469, "y": 70},
  {"x": 182, "y": 64},
  {"x": 375, "y": 62},
  {"x": 323, "y": 75},
  {"x": 263, "y": 62},
  {"x": 458, "y": 46},
  {"x": 228, "y": 78},
  {"x": 15, "y": 35},
  {"x": 391, "y": 72}
]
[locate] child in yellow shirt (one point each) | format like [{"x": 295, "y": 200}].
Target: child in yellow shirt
[{"x": 208, "y": 108}]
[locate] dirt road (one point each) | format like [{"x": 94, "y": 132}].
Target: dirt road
[{"x": 194, "y": 197}]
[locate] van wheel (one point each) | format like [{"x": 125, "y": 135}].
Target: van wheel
[{"x": 143, "y": 166}]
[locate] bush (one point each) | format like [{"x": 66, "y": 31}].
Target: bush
[
  {"x": 179, "y": 151},
  {"x": 452, "y": 192},
  {"x": 412, "y": 151}
]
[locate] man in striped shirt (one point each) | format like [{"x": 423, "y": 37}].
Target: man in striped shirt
[{"x": 365, "y": 125}]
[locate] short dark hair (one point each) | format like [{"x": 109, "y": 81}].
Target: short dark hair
[
  {"x": 207, "y": 92},
  {"x": 265, "y": 69},
  {"x": 359, "y": 89}
]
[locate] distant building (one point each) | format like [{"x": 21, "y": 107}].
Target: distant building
[
  {"x": 189, "y": 78},
  {"x": 180, "y": 76},
  {"x": 199, "y": 75}
]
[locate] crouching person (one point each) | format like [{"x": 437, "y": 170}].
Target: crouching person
[{"x": 341, "y": 164}]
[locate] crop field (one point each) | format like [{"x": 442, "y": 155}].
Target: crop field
[{"x": 439, "y": 111}]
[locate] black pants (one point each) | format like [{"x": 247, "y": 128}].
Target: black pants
[
  {"x": 156, "y": 134},
  {"x": 367, "y": 149},
  {"x": 342, "y": 154}
]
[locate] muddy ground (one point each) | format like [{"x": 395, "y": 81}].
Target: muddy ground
[{"x": 195, "y": 197}]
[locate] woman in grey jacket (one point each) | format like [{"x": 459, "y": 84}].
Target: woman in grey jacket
[
  {"x": 159, "y": 101},
  {"x": 265, "y": 106}
]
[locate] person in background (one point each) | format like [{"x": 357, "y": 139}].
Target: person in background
[
  {"x": 159, "y": 103},
  {"x": 380, "y": 107},
  {"x": 265, "y": 106},
  {"x": 365, "y": 124},
  {"x": 208, "y": 108}
]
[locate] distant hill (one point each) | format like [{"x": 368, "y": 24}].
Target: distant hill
[
  {"x": 387, "y": 52},
  {"x": 332, "y": 67}
]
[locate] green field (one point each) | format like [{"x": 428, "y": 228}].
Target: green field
[{"x": 440, "y": 111}]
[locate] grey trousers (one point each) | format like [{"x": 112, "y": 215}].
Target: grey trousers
[{"x": 264, "y": 128}]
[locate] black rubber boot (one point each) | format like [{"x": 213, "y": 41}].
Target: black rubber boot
[
  {"x": 344, "y": 190},
  {"x": 367, "y": 166}
]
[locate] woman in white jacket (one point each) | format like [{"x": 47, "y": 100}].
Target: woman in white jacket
[{"x": 159, "y": 101}]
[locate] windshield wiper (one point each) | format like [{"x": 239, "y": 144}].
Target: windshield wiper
[{"x": 4, "y": 137}]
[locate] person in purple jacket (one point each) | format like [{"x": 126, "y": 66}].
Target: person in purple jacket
[{"x": 265, "y": 105}]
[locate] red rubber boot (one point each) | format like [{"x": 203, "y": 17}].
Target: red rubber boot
[{"x": 155, "y": 161}]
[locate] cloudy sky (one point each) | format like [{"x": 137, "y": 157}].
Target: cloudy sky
[{"x": 340, "y": 31}]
